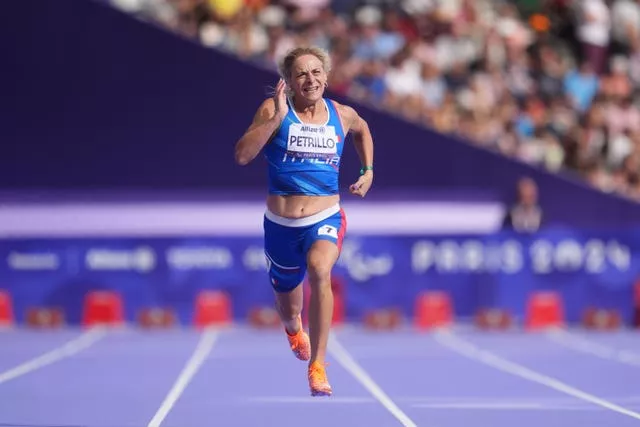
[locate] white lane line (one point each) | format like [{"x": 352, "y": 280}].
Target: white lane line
[
  {"x": 68, "y": 349},
  {"x": 546, "y": 401},
  {"x": 500, "y": 406},
  {"x": 585, "y": 345},
  {"x": 505, "y": 406},
  {"x": 347, "y": 361},
  {"x": 469, "y": 350},
  {"x": 205, "y": 344}
]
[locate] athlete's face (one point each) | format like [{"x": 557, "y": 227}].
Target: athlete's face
[{"x": 308, "y": 78}]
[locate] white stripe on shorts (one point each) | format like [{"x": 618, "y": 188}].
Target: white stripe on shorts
[
  {"x": 303, "y": 222},
  {"x": 279, "y": 265}
]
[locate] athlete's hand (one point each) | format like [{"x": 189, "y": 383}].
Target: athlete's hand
[
  {"x": 362, "y": 185},
  {"x": 280, "y": 99}
]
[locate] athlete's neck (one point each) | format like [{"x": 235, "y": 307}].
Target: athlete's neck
[{"x": 308, "y": 110}]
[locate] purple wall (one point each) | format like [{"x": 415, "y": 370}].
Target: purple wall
[{"x": 94, "y": 98}]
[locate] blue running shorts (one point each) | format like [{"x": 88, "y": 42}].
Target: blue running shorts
[{"x": 287, "y": 241}]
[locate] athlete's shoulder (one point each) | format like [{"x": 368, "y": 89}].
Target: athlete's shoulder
[{"x": 349, "y": 116}]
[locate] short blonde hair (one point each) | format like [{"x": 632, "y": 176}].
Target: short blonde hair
[{"x": 286, "y": 64}]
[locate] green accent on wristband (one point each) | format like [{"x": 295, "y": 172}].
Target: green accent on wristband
[{"x": 365, "y": 168}]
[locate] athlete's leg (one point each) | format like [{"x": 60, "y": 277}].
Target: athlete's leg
[
  {"x": 324, "y": 242},
  {"x": 320, "y": 261},
  {"x": 289, "y": 306},
  {"x": 288, "y": 299},
  {"x": 287, "y": 268}
]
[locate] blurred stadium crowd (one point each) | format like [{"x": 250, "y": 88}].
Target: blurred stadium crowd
[{"x": 550, "y": 82}]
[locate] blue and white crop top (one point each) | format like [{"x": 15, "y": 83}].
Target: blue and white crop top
[{"x": 304, "y": 159}]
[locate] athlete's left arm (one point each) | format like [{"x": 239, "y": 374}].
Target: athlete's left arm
[{"x": 363, "y": 141}]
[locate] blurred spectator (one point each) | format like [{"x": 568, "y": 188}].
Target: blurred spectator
[
  {"x": 594, "y": 32},
  {"x": 525, "y": 215},
  {"x": 581, "y": 86},
  {"x": 548, "y": 82},
  {"x": 625, "y": 25}
]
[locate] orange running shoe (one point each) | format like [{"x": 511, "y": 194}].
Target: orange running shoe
[
  {"x": 318, "y": 382},
  {"x": 300, "y": 344}
]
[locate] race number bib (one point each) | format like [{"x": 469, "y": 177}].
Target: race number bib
[{"x": 312, "y": 141}]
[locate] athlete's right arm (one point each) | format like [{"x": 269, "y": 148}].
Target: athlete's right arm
[{"x": 265, "y": 123}]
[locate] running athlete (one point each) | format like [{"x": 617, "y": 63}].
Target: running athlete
[{"x": 303, "y": 135}]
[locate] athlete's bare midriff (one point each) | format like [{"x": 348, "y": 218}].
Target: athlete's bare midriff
[{"x": 299, "y": 206}]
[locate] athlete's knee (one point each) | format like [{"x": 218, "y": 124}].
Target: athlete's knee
[
  {"x": 320, "y": 264},
  {"x": 320, "y": 274}
]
